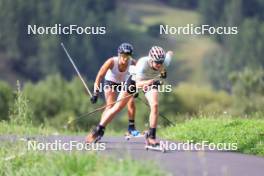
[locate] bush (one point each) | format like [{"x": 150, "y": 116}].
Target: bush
[
  {"x": 21, "y": 113},
  {"x": 248, "y": 88},
  {"x": 55, "y": 100},
  {"x": 6, "y": 100},
  {"x": 191, "y": 99}
]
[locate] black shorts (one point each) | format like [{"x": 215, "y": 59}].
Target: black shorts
[
  {"x": 130, "y": 85},
  {"x": 116, "y": 87}
]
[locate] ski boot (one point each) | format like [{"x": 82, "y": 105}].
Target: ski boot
[
  {"x": 132, "y": 133},
  {"x": 95, "y": 135},
  {"x": 152, "y": 144}
]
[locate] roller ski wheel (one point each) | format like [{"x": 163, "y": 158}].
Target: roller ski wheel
[
  {"x": 151, "y": 144},
  {"x": 155, "y": 148}
]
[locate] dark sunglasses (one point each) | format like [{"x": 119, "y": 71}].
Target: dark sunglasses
[{"x": 159, "y": 62}]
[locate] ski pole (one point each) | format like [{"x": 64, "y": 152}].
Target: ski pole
[
  {"x": 170, "y": 122},
  {"x": 100, "y": 108},
  {"x": 76, "y": 69}
]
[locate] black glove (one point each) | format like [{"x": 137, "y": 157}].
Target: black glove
[
  {"x": 163, "y": 75},
  {"x": 157, "y": 82},
  {"x": 135, "y": 95},
  {"x": 94, "y": 98}
]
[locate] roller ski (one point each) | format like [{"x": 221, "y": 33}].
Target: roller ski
[
  {"x": 95, "y": 135},
  {"x": 152, "y": 144},
  {"x": 133, "y": 134},
  {"x": 131, "y": 131}
]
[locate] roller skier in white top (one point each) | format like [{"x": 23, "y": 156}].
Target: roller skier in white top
[{"x": 115, "y": 72}]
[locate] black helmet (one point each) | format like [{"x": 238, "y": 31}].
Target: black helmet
[{"x": 125, "y": 48}]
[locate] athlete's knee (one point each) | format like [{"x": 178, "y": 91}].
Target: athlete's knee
[
  {"x": 154, "y": 107},
  {"x": 131, "y": 105}
]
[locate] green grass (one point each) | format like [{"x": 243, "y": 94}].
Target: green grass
[
  {"x": 154, "y": 12},
  {"x": 9, "y": 128},
  {"x": 75, "y": 163},
  {"x": 20, "y": 130},
  {"x": 247, "y": 133},
  {"x": 170, "y": 16}
]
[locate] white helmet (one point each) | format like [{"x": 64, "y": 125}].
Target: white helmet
[{"x": 157, "y": 54}]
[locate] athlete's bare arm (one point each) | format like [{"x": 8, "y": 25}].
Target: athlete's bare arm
[{"x": 109, "y": 64}]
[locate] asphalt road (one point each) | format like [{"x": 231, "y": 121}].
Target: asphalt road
[{"x": 176, "y": 162}]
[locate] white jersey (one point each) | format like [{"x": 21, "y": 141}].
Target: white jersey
[
  {"x": 115, "y": 75},
  {"x": 143, "y": 70}
]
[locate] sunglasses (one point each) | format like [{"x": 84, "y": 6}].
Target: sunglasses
[{"x": 159, "y": 62}]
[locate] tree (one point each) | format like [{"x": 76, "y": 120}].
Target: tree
[
  {"x": 36, "y": 56},
  {"x": 246, "y": 49}
]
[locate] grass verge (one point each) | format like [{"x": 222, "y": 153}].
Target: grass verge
[
  {"x": 7, "y": 128},
  {"x": 247, "y": 133},
  {"x": 75, "y": 163},
  {"x": 16, "y": 159}
]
